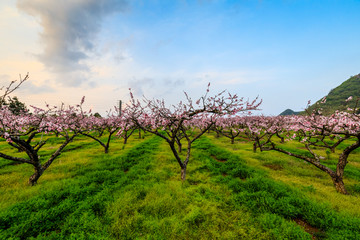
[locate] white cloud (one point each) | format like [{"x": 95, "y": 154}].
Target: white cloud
[{"x": 69, "y": 33}]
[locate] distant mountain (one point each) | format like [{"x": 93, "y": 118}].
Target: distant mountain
[
  {"x": 336, "y": 99},
  {"x": 288, "y": 112}
]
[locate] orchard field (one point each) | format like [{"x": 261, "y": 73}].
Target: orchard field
[
  {"x": 204, "y": 169},
  {"x": 135, "y": 192}
]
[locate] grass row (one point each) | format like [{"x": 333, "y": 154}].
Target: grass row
[
  {"x": 136, "y": 193},
  {"x": 75, "y": 208}
]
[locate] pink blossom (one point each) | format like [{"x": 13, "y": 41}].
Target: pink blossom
[{"x": 349, "y": 99}]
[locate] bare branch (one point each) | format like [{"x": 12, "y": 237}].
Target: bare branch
[{"x": 13, "y": 85}]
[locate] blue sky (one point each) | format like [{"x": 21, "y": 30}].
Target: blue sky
[{"x": 287, "y": 52}]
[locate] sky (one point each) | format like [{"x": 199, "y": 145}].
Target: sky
[{"x": 284, "y": 51}]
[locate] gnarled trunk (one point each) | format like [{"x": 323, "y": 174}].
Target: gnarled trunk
[
  {"x": 339, "y": 185},
  {"x": 183, "y": 173},
  {"x": 37, "y": 174},
  {"x": 107, "y": 146},
  {"x": 337, "y": 178},
  {"x": 106, "y": 149},
  {"x": 179, "y": 147},
  {"x": 178, "y": 142}
]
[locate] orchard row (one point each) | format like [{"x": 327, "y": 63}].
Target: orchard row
[{"x": 182, "y": 124}]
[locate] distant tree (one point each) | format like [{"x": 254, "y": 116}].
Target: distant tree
[
  {"x": 127, "y": 127},
  {"x": 97, "y": 115},
  {"x": 97, "y": 127},
  {"x": 230, "y": 127},
  {"x": 14, "y": 105}
]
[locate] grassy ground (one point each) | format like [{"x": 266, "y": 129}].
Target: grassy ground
[{"x": 135, "y": 192}]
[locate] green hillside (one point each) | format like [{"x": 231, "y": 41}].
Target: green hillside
[
  {"x": 336, "y": 99},
  {"x": 288, "y": 112}
]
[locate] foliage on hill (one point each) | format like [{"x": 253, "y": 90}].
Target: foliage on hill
[
  {"x": 336, "y": 99},
  {"x": 288, "y": 112}
]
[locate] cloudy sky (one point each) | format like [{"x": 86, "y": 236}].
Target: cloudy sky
[{"x": 285, "y": 51}]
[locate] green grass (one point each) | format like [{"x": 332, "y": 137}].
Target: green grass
[
  {"x": 255, "y": 190},
  {"x": 135, "y": 192}
]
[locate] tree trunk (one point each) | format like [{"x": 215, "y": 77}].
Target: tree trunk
[
  {"x": 125, "y": 140},
  {"x": 183, "y": 173},
  {"x": 337, "y": 176},
  {"x": 339, "y": 185},
  {"x": 254, "y": 147},
  {"x": 35, "y": 177},
  {"x": 340, "y": 167},
  {"x": 179, "y": 147},
  {"x": 178, "y": 159},
  {"x": 232, "y": 140},
  {"x": 107, "y": 146},
  {"x": 282, "y": 140},
  {"x": 178, "y": 142}
]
